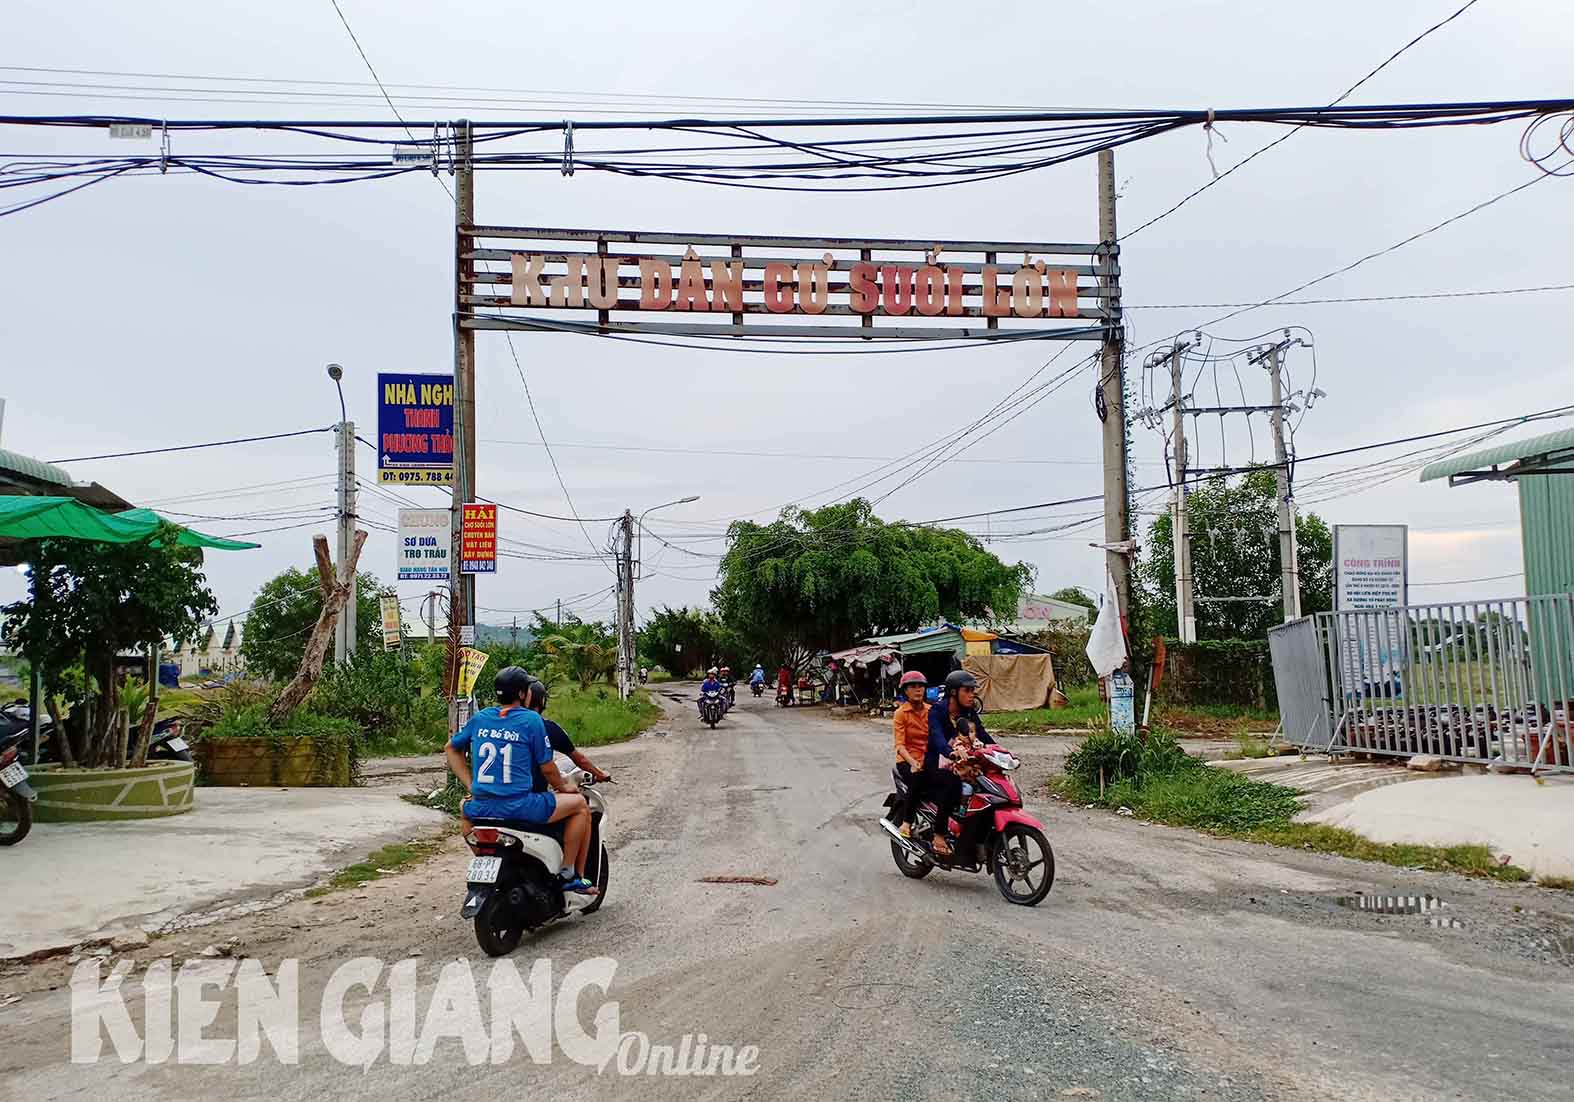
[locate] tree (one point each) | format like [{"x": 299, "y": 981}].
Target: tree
[
  {"x": 1235, "y": 554},
  {"x": 1076, "y": 595},
  {"x": 681, "y": 641},
  {"x": 829, "y": 576},
  {"x": 286, "y": 610},
  {"x": 91, "y": 601}
]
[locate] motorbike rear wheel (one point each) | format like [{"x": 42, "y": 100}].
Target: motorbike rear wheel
[
  {"x": 913, "y": 867},
  {"x": 16, "y": 818},
  {"x": 497, "y": 928},
  {"x": 1019, "y": 852}
]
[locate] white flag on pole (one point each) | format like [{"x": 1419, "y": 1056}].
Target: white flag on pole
[{"x": 1107, "y": 641}]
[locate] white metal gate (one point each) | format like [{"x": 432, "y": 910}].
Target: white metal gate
[{"x": 1490, "y": 682}]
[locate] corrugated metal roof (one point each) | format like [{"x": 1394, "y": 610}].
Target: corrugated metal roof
[
  {"x": 1548, "y": 444},
  {"x": 35, "y": 469}
]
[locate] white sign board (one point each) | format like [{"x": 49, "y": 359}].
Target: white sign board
[
  {"x": 1371, "y": 571},
  {"x": 425, "y": 537},
  {"x": 131, "y": 130}
]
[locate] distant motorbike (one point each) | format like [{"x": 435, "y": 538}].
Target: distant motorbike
[
  {"x": 990, "y": 830},
  {"x": 783, "y": 696},
  {"x": 512, "y": 885},
  {"x": 713, "y": 705},
  {"x": 16, "y": 795},
  {"x": 757, "y": 688},
  {"x": 644, "y": 676}
]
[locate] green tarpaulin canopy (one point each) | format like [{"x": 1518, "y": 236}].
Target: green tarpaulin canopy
[{"x": 29, "y": 518}]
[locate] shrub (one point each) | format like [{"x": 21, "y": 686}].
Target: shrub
[
  {"x": 380, "y": 692},
  {"x": 329, "y": 735},
  {"x": 1123, "y": 757}
]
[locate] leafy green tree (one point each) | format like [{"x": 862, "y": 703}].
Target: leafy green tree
[
  {"x": 283, "y": 615},
  {"x": 1235, "y": 553},
  {"x": 682, "y": 640},
  {"x": 826, "y": 577},
  {"x": 1076, "y": 595},
  {"x": 92, "y": 600}
]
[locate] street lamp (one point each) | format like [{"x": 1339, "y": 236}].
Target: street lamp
[
  {"x": 640, "y": 524},
  {"x": 336, "y": 372}
]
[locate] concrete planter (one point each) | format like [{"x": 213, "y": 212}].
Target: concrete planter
[
  {"x": 90, "y": 795},
  {"x": 273, "y": 763}
]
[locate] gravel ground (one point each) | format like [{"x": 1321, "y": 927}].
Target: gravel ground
[{"x": 1164, "y": 964}]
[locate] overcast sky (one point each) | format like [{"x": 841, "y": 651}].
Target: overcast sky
[{"x": 168, "y": 310}]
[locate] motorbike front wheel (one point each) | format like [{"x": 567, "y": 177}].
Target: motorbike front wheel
[
  {"x": 1024, "y": 865},
  {"x": 497, "y": 928},
  {"x": 16, "y": 818}
]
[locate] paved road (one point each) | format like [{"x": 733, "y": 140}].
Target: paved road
[{"x": 1163, "y": 965}]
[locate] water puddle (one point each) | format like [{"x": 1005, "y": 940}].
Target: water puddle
[
  {"x": 1393, "y": 904},
  {"x": 1428, "y": 906}
]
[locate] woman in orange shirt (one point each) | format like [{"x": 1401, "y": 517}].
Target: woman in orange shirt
[{"x": 910, "y": 729}]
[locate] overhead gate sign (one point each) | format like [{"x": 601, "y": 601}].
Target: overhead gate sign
[
  {"x": 707, "y": 284},
  {"x": 415, "y": 428}
]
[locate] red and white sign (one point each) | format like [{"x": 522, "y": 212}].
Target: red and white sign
[{"x": 478, "y": 539}]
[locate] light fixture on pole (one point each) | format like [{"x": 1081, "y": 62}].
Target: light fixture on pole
[{"x": 641, "y": 524}]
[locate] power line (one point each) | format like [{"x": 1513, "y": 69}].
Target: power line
[
  {"x": 1468, "y": 581},
  {"x": 1297, "y": 129},
  {"x": 1353, "y": 298},
  {"x": 193, "y": 447}
]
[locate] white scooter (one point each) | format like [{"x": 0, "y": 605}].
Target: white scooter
[{"x": 512, "y": 882}]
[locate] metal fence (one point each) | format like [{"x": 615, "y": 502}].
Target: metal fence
[{"x": 1490, "y": 682}]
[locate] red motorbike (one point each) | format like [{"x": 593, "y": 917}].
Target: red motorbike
[{"x": 989, "y": 830}]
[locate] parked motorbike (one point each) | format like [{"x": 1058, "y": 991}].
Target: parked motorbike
[
  {"x": 990, "y": 830},
  {"x": 16, "y": 795},
  {"x": 512, "y": 885},
  {"x": 757, "y": 687},
  {"x": 713, "y": 705},
  {"x": 164, "y": 743}
]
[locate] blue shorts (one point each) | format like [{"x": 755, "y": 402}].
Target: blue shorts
[{"x": 529, "y": 807}]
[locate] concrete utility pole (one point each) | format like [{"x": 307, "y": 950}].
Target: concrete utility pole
[
  {"x": 625, "y": 604},
  {"x": 344, "y": 631},
  {"x": 1185, "y": 610},
  {"x": 461, "y": 586},
  {"x": 1112, "y": 392},
  {"x": 1289, "y": 561}
]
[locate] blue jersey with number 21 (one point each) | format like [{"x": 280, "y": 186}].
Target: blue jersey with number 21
[{"x": 508, "y": 746}]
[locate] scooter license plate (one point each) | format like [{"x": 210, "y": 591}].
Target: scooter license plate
[
  {"x": 12, "y": 775},
  {"x": 178, "y": 744},
  {"x": 483, "y": 870}
]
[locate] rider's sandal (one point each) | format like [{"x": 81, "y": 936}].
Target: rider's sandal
[{"x": 580, "y": 885}]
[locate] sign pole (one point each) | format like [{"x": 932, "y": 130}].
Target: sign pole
[
  {"x": 461, "y": 587},
  {"x": 1185, "y": 609},
  {"x": 1112, "y": 392}
]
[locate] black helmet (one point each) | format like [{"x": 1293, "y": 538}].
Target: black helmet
[
  {"x": 960, "y": 679},
  {"x": 538, "y": 695},
  {"x": 512, "y": 683}
]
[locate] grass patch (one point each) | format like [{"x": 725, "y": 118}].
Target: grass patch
[
  {"x": 389, "y": 859},
  {"x": 1561, "y": 883},
  {"x": 1250, "y": 746},
  {"x": 595, "y": 716},
  {"x": 1084, "y": 710},
  {"x": 1159, "y": 782},
  {"x": 407, "y": 743}
]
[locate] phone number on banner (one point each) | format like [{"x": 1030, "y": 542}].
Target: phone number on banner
[{"x": 434, "y": 476}]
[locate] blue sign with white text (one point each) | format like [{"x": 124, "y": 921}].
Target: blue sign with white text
[{"x": 415, "y": 428}]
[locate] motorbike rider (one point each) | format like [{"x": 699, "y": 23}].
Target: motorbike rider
[
  {"x": 711, "y": 684},
  {"x": 531, "y": 790},
  {"x": 959, "y": 699},
  {"x": 758, "y": 676},
  {"x": 558, "y": 738},
  {"x": 910, "y": 729},
  {"x": 784, "y": 683}
]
